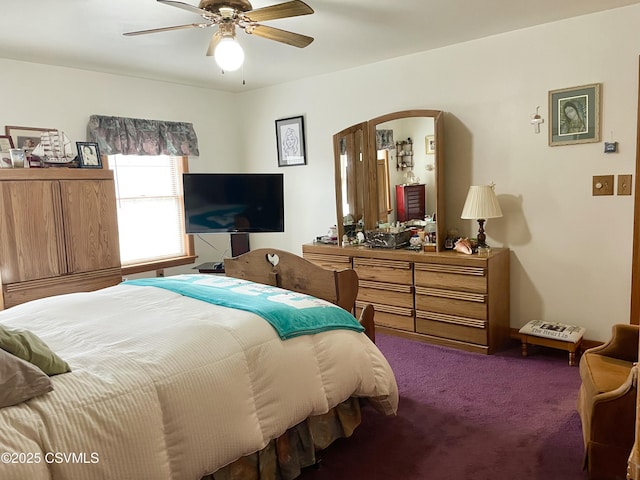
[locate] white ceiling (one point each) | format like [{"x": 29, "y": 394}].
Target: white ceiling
[{"x": 87, "y": 34}]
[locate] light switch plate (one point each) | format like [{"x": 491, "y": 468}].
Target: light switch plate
[
  {"x": 624, "y": 184},
  {"x": 603, "y": 185}
]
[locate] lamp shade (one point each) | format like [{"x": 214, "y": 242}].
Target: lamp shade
[{"x": 481, "y": 203}]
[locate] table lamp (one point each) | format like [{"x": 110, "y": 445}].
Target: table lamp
[{"x": 481, "y": 204}]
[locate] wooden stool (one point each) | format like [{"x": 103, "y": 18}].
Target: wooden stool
[{"x": 554, "y": 335}]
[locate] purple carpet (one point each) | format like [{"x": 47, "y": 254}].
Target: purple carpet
[{"x": 466, "y": 416}]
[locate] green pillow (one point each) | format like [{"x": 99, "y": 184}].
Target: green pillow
[{"x": 28, "y": 346}]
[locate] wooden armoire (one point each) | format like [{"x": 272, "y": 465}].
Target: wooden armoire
[{"x": 58, "y": 232}]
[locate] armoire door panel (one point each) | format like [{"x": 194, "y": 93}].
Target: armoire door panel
[
  {"x": 29, "y": 232},
  {"x": 91, "y": 224}
]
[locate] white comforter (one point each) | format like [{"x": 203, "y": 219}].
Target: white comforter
[{"x": 168, "y": 387}]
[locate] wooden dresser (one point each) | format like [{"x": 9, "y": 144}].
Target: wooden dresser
[
  {"x": 446, "y": 298},
  {"x": 58, "y": 232}
]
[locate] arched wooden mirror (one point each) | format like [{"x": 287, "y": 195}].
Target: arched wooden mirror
[{"x": 398, "y": 150}]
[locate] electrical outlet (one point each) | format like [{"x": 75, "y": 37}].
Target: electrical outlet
[
  {"x": 602, "y": 185},
  {"x": 624, "y": 184}
]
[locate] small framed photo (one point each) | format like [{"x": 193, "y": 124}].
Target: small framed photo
[
  {"x": 575, "y": 115},
  {"x": 6, "y": 143},
  {"x": 290, "y": 141},
  {"x": 430, "y": 144},
  {"x": 26, "y": 138},
  {"x": 89, "y": 155},
  {"x": 5, "y": 160}
]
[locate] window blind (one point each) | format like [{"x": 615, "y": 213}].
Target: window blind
[{"x": 149, "y": 207}]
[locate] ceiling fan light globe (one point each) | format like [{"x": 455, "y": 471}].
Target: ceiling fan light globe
[{"x": 229, "y": 54}]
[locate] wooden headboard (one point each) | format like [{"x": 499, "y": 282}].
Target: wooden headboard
[{"x": 289, "y": 271}]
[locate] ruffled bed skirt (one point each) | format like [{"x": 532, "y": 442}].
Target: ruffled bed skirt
[{"x": 285, "y": 457}]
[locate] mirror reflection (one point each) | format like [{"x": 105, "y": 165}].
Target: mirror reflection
[
  {"x": 351, "y": 169},
  {"x": 405, "y": 160},
  {"x": 387, "y": 170}
]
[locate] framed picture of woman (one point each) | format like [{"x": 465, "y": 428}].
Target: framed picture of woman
[
  {"x": 290, "y": 141},
  {"x": 89, "y": 155},
  {"x": 575, "y": 115}
]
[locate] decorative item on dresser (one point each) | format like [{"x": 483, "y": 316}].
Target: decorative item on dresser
[
  {"x": 481, "y": 204},
  {"x": 446, "y": 298},
  {"x": 89, "y": 155},
  {"x": 58, "y": 233},
  {"x": 26, "y": 138}
]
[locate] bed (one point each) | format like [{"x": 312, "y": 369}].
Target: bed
[{"x": 168, "y": 386}]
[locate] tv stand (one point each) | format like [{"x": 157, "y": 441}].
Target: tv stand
[
  {"x": 239, "y": 245},
  {"x": 211, "y": 267}
]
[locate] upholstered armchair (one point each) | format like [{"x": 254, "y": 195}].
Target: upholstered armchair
[{"x": 607, "y": 403}]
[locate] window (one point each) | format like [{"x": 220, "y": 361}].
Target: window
[{"x": 150, "y": 212}]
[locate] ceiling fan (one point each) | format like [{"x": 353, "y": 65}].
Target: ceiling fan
[{"x": 229, "y": 14}]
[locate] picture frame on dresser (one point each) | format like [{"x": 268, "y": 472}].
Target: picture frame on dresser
[
  {"x": 89, "y": 155},
  {"x": 6, "y": 143},
  {"x": 575, "y": 115},
  {"x": 26, "y": 138}
]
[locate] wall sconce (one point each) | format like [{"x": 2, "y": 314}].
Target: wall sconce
[{"x": 481, "y": 204}]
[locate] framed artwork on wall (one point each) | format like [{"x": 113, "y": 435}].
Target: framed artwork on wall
[
  {"x": 89, "y": 155},
  {"x": 384, "y": 139},
  {"x": 430, "y": 144},
  {"x": 290, "y": 141},
  {"x": 575, "y": 115}
]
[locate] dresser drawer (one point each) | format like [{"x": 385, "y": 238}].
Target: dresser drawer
[
  {"x": 385, "y": 293},
  {"x": 389, "y": 316},
  {"x": 331, "y": 262},
  {"x": 463, "y": 304},
  {"x": 454, "y": 277},
  {"x": 451, "y": 326},
  {"x": 388, "y": 271}
]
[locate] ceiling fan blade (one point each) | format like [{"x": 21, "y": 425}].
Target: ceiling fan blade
[
  {"x": 270, "y": 33},
  {"x": 294, "y": 8},
  {"x": 184, "y": 6},
  {"x": 167, "y": 29}
]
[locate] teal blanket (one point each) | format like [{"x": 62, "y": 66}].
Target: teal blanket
[{"x": 290, "y": 313}]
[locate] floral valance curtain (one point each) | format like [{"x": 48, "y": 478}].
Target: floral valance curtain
[{"x": 135, "y": 136}]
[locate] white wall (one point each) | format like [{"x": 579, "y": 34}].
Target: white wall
[
  {"x": 62, "y": 98},
  {"x": 571, "y": 252}
]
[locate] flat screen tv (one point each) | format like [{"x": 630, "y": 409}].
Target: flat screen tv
[{"x": 233, "y": 202}]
